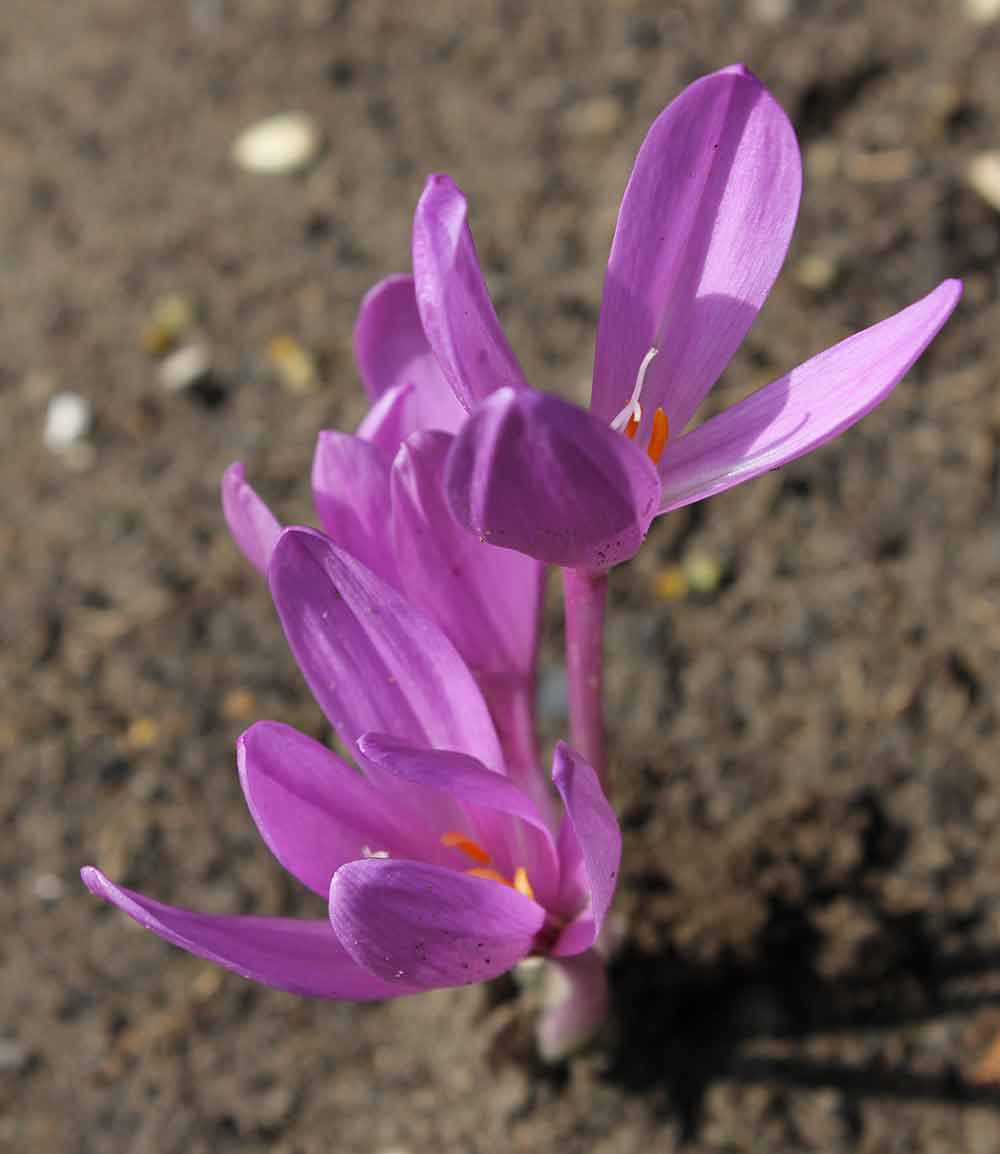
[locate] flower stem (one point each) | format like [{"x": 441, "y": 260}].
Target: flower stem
[
  {"x": 585, "y": 595},
  {"x": 574, "y": 1003},
  {"x": 512, "y": 706}
]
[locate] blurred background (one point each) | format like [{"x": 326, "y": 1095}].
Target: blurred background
[{"x": 803, "y": 691}]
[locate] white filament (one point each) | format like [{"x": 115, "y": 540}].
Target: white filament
[{"x": 633, "y": 408}]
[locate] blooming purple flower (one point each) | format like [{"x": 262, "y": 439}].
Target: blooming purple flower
[
  {"x": 379, "y": 495},
  {"x": 702, "y": 232},
  {"x": 438, "y": 869}
]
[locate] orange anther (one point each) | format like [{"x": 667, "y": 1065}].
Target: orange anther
[
  {"x": 658, "y": 438},
  {"x": 489, "y": 875},
  {"x": 521, "y": 883},
  {"x": 631, "y": 428},
  {"x": 466, "y": 845}
]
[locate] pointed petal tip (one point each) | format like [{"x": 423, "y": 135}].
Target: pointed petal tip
[
  {"x": 254, "y": 528},
  {"x": 94, "y": 880}
]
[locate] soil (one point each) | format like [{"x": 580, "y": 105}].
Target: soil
[{"x": 806, "y": 750}]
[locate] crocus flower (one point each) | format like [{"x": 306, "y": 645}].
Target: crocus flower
[
  {"x": 379, "y": 494},
  {"x": 702, "y": 232},
  {"x": 438, "y": 870}
]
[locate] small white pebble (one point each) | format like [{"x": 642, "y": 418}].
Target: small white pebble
[
  {"x": 983, "y": 11},
  {"x": 771, "y": 11},
  {"x": 48, "y": 887},
  {"x": 983, "y": 174},
  {"x": 13, "y": 1055},
  {"x": 283, "y": 143},
  {"x": 67, "y": 421},
  {"x": 185, "y": 368}
]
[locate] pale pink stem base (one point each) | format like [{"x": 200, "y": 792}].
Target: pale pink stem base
[
  {"x": 574, "y": 1004},
  {"x": 585, "y": 595}
]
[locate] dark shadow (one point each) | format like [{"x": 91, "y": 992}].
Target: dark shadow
[{"x": 681, "y": 1027}]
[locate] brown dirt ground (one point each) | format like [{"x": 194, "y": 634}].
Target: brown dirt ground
[{"x": 807, "y": 755}]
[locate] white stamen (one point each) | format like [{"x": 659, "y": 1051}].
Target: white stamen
[
  {"x": 633, "y": 408},
  {"x": 368, "y": 852}
]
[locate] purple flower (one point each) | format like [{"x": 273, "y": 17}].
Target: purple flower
[
  {"x": 702, "y": 232},
  {"x": 379, "y": 495},
  {"x": 439, "y": 870}
]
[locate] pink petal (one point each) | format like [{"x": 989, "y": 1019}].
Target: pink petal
[
  {"x": 350, "y": 484},
  {"x": 303, "y": 957},
  {"x": 389, "y": 419},
  {"x": 315, "y": 813},
  {"x": 493, "y": 805},
  {"x": 373, "y": 661},
  {"x": 453, "y": 300},
  {"x": 485, "y": 599},
  {"x": 702, "y": 233},
  {"x": 805, "y": 408},
  {"x": 426, "y": 926},
  {"x": 532, "y": 472},
  {"x": 598, "y": 837},
  {"x": 392, "y": 351},
  {"x": 254, "y": 527}
]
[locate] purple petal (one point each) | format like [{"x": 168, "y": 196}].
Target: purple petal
[
  {"x": 805, "y": 408},
  {"x": 388, "y": 421},
  {"x": 598, "y": 836},
  {"x": 254, "y": 527},
  {"x": 494, "y": 806},
  {"x": 532, "y": 472},
  {"x": 486, "y": 600},
  {"x": 430, "y": 927},
  {"x": 574, "y": 1005},
  {"x": 350, "y": 483},
  {"x": 315, "y": 813},
  {"x": 373, "y": 661},
  {"x": 392, "y": 351},
  {"x": 702, "y": 233},
  {"x": 453, "y": 300},
  {"x": 303, "y": 957}
]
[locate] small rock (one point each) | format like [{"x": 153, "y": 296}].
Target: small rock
[
  {"x": 983, "y": 175},
  {"x": 885, "y": 167},
  {"x": 983, "y": 11},
  {"x": 67, "y": 421},
  {"x": 13, "y": 1056},
  {"x": 293, "y": 363},
  {"x": 284, "y": 143},
  {"x": 239, "y": 705},
  {"x": 815, "y": 273},
  {"x": 822, "y": 160},
  {"x": 703, "y": 571},
  {"x": 185, "y": 368},
  {"x": 671, "y": 584},
  {"x": 169, "y": 319},
  {"x": 48, "y": 888},
  {"x": 597, "y": 118},
  {"x": 771, "y": 11},
  {"x": 143, "y": 733}
]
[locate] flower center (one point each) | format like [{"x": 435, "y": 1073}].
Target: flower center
[
  {"x": 474, "y": 851},
  {"x": 628, "y": 420}
]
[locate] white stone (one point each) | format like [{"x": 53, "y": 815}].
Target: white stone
[
  {"x": 283, "y": 143},
  {"x": 185, "y": 368},
  {"x": 48, "y": 888},
  {"x": 67, "y": 421},
  {"x": 983, "y": 174},
  {"x": 983, "y": 11}
]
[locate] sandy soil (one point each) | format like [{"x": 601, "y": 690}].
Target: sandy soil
[{"x": 807, "y": 753}]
